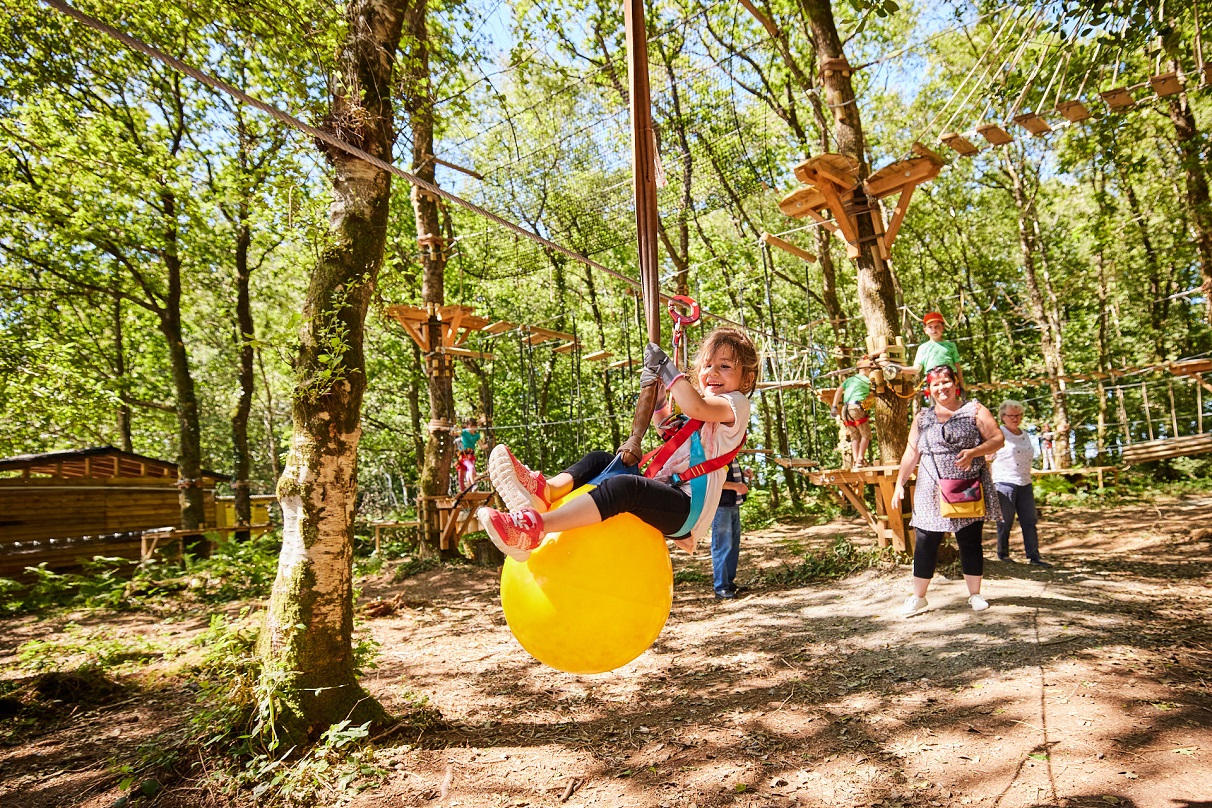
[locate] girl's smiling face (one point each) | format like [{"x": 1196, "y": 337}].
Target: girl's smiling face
[{"x": 719, "y": 374}]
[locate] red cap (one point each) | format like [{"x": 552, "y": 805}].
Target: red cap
[{"x": 933, "y": 317}]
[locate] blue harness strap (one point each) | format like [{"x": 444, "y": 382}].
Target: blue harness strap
[
  {"x": 695, "y": 476},
  {"x": 698, "y": 486}
]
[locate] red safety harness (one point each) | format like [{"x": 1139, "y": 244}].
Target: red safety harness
[
  {"x": 856, "y": 421},
  {"x": 676, "y": 434}
]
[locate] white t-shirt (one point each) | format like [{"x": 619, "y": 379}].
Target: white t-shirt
[
  {"x": 717, "y": 440},
  {"x": 1012, "y": 463}
]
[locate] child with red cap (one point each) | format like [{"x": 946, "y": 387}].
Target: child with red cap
[{"x": 936, "y": 351}]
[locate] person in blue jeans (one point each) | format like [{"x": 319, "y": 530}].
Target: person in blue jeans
[
  {"x": 1012, "y": 478},
  {"x": 726, "y": 533}
]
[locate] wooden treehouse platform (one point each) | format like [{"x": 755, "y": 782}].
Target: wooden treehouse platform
[
  {"x": 890, "y": 524},
  {"x": 454, "y": 517},
  {"x": 454, "y": 324},
  {"x": 832, "y": 186}
]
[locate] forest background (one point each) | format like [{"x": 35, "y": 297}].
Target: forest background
[{"x": 156, "y": 236}]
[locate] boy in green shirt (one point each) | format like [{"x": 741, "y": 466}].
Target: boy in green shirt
[
  {"x": 936, "y": 351},
  {"x": 848, "y": 406}
]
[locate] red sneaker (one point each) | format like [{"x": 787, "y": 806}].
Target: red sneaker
[
  {"x": 515, "y": 534},
  {"x": 518, "y": 486}
]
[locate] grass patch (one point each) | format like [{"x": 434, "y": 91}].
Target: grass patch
[
  {"x": 842, "y": 559},
  {"x": 235, "y": 571},
  {"x": 689, "y": 576}
]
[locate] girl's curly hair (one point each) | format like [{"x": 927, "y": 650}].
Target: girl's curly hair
[{"x": 737, "y": 343}]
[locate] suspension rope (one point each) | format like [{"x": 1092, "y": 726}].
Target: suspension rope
[
  {"x": 975, "y": 66},
  {"x": 1030, "y": 80}
]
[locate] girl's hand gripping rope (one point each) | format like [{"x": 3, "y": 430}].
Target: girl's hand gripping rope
[{"x": 658, "y": 365}]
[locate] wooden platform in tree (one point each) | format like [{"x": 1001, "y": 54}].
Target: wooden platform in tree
[
  {"x": 1166, "y": 448},
  {"x": 456, "y": 323},
  {"x": 890, "y": 525},
  {"x": 796, "y": 463},
  {"x": 832, "y": 185}
]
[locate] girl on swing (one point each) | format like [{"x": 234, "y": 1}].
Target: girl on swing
[{"x": 725, "y": 373}]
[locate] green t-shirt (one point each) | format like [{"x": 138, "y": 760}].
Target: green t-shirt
[
  {"x": 856, "y": 389},
  {"x": 469, "y": 438},
  {"x": 931, "y": 354}
]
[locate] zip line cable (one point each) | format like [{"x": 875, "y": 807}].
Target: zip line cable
[{"x": 337, "y": 143}]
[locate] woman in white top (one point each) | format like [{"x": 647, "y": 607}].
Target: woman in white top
[{"x": 1012, "y": 478}]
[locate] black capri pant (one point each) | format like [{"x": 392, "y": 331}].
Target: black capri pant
[
  {"x": 659, "y": 504},
  {"x": 925, "y": 550}
]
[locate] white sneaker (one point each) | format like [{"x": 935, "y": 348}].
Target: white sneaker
[
  {"x": 519, "y": 486},
  {"x": 913, "y": 605},
  {"x": 977, "y": 603}
]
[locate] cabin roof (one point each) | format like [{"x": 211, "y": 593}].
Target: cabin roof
[{"x": 97, "y": 462}]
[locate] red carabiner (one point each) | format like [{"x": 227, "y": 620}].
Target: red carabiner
[{"x": 684, "y": 319}]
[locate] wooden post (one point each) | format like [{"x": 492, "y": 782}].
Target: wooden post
[
  {"x": 1173, "y": 409},
  {"x": 1123, "y": 414},
  {"x": 1144, "y": 397},
  {"x": 1199, "y": 403},
  {"x": 1102, "y": 418}
]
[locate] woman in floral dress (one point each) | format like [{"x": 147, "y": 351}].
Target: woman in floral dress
[{"x": 951, "y": 440}]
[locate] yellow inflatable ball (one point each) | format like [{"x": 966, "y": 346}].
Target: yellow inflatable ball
[{"x": 592, "y": 599}]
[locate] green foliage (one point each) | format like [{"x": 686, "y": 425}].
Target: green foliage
[
  {"x": 843, "y": 558},
  {"x": 689, "y": 576},
  {"x": 235, "y": 571},
  {"x": 100, "y": 649},
  {"x": 414, "y": 565}
]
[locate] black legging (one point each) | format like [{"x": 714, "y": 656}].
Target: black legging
[
  {"x": 659, "y": 504},
  {"x": 925, "y": 550}
]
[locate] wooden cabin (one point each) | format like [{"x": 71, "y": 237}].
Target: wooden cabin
[{"x": 96, "y": 500}]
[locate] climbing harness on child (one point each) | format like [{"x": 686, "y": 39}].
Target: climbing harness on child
[{"x": 675, "y": 432}]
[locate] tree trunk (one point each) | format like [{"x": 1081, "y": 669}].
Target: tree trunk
[
  {"x": 124, "y": 411},
  {"x": 189, "y": 457},
  {"x": 439, "y": 367},
  {"x": 1045, "y": 311},
  {"x": 307, "y": 643},
  {"x": 1159, "y": 283},
  {"x": 271, "y": 429},
  {"x": 414, "y": 406},
  {"x": 244, "y": 340},
  {"x": 1192, "y": 148},
  {"x": 1104, "y": 351},
  {"x": 616, "y": 438},
  {"x": 876, "y": 285},
  {"x": 767, "y": 422}
]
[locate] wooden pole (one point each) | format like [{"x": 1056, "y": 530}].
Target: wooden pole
[
  {"x": 1199, "y": 404},
  {"x": 1102, "y": 418},
  {"x": 1123, "y": 414},
  {"x": 1173, "y": 409},
  {"x": 1144, "y": 397},
  {"x": 644, "y": 167}
]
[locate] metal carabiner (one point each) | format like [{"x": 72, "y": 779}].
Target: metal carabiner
[
  {"x": 684, "y": 319},
  {"x": 680, "y": 321}
]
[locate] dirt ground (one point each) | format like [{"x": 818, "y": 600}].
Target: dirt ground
[{"x": 1085, "y": 684}]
